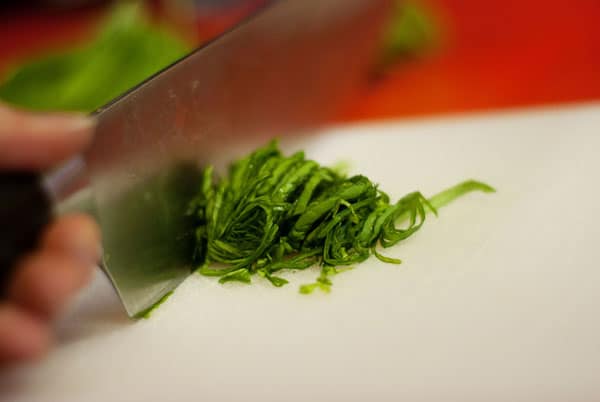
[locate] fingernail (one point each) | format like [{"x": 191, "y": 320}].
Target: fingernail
[
  {"x": 76, "y": 123},
  {"x": 84, "y": 252},
  {"x": 79, "y": 123}
]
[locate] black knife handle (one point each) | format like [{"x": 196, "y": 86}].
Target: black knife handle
[{"x": 25, "y": 209}]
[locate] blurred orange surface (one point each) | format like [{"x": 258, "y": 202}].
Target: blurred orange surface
[{"x": 495, "y": 54}]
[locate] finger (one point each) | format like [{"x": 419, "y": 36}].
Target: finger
[
  {"x": 77, "y": 235},
  {"x": 44, "y": 282},
  {"x": 37, "y": 141},
  {"x": 22, "y": 335}
]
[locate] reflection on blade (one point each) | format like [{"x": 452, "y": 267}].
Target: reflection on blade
[{"x": 148, "y": 237}]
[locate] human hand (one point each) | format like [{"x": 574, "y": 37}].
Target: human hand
[{"x": 69, "y": 248}]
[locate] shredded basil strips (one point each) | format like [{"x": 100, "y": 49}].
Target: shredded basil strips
[{"x": 273, "y": 213}]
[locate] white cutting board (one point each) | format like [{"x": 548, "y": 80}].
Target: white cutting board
[{"x": 497, "y": 300}]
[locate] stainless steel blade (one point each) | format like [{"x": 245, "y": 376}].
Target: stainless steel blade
[{"x": 286, "y": 68}]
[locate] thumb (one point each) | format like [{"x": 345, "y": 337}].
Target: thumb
[{"x": 37, "y": 141}]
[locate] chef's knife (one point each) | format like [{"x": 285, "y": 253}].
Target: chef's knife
[{"x": 286, "y": 68}]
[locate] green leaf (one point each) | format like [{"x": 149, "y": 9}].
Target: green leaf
[
  {"x": 383, "y": 258},
  {"x": 148, "y": 312},
  {"x": 239, "y": 275},
  {"x": 411, "y": 31},
  {"x": 447, "y": 196},
  {"x": 275, "y": 280},
  {"x": 126, "y": 51},
  {"x": 308, "y": 289}
]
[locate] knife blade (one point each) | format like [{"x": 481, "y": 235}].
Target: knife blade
[{"x": 286, "y": 68}]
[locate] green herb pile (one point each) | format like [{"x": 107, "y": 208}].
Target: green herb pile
[{"x": 274, "y": 212}]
